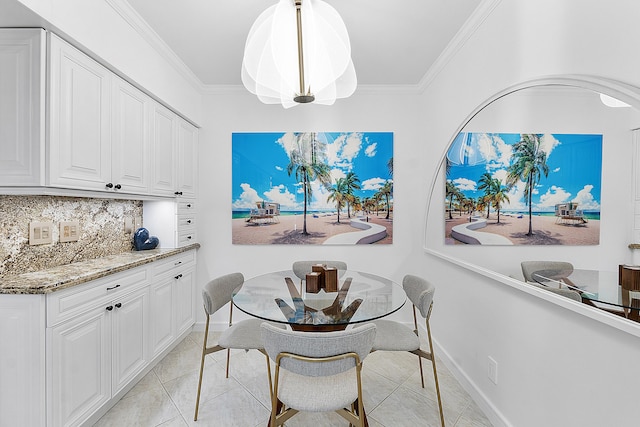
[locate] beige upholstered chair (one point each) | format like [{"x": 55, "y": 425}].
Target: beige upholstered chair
[
  {"x": 395, "y": 336},
  {"x": 318, "y": 371},
  {"x": 242, "y": 335},
  {"x": 530, "y": 267}
]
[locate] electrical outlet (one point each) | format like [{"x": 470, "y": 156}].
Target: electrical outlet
[
  {"x": 492, "y": 370},
  {"x": 137, "y": 222},
  {"x": 69, "y": 231},
  {"x": 128, "y": 224},
  {"x": 40, "y": 233}
]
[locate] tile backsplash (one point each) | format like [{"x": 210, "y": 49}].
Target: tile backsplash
[{"x": 101, "y": 222}]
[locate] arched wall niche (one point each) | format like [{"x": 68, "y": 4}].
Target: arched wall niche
[{"x": 502, "y": 263}]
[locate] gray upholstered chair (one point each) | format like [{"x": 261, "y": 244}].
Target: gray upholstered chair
[
  {"x": 530, "y": 267},
  {"x": 318, "y": 371},
  {"x": 301, "y": 268},
  {"x": 564, "y": 292},
  {"x": 395, "y": 336},
  {"x": 242, "y": 335}
]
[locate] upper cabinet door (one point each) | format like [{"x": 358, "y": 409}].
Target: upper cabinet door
[
  {"x": 22, "y": 106},
  {"x": 187, "y": 159},
  {"x": 163, "y": 137},
  {"x": 79, "y": 150},
  {"x": 130, "y": 137}
]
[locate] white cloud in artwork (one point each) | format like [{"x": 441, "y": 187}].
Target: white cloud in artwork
[
  {"x": 280, "y": 194},
  {"x": 465, "y": 184},
  {"x": 247, "y": 198},
  {"x": 279, "y": 168},
  {"x": 370, "y": 150},
  {"x": 373, "y": 184},
  {"x": 585, "y": 199},
  {"x": 552, "y": 197},
  {"x": 556, "y": 170},
  {"x": 342, "y": 150}
]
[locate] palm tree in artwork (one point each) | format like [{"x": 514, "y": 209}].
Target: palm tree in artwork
[
  {"x": 499, "y": 195},
  {"x": 338, "y": 193},
  {"x": 529, "y": 163},
  {"x": 451, "y": 193},
  {"x": 386, "y": 191},
  {"x": 351, "y": 183},
  {"x": 486, "y": 183},
  {"x": 305, "y": 160}
]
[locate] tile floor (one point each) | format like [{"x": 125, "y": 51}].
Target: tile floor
[{"x": 393, "y": 396}]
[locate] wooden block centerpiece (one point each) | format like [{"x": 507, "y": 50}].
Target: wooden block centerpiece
[{"x": 322, "y": 277}]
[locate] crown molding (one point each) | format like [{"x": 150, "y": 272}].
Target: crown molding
[
  {"x": 131, "y": 17},
  {"x": 477, "y": 18}
]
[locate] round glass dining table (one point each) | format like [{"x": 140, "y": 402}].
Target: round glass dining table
[
  {"x": 281, "y": 297},
  {"x": 592, "y": 285}
]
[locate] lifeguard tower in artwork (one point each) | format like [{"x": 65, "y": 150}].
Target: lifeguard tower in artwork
[
  {"x": 568, "y": 213},
  {"x": 264, "y": 213}
]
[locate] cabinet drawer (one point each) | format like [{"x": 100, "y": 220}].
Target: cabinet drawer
[
  {"x": 173, "y": 264},
  {"x": 186, "y": 206},
  {"x": 73, "y": 301},
  {"x": 186, "y": 237},
  {"x": 186, "y": 221}
]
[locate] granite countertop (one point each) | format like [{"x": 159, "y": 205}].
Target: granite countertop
[{"x": 65, "y": 276}]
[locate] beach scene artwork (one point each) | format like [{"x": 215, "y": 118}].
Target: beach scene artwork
[
  {"x": 523, "y": 189},
  {"x": 312, "y": 188}
]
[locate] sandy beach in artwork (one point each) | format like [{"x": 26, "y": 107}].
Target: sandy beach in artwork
[
  {"x": 289, "y": 230},
  {"x": 545, "y": 230}
]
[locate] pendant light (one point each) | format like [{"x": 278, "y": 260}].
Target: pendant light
[{"x": 297, "y": 52}]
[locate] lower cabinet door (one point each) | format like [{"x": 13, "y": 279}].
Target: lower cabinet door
[
  {"x": 130, "y": 331},
  {"x": 79, "y": 367},
  {"x": 185, "y": 300},
  {"x": 162, "y": 331}
]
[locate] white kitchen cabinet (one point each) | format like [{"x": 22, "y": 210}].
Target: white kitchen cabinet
[
  {"x": 187, "y": 166},
  {"x": 98, "y": 342},
  {"x": 80, "y": 128},
  {"x": 130, "y": 138},
  {"x": 174, "y": 223},
  {"x": 163, "y": 153},
  {"x": 79, "y": 367},
  {"x": 173, "y": 296},
  {"x": 22, "y": 106}
]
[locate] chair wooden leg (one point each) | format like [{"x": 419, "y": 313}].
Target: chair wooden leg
[
  {"x": 435, "y": 373},
  {"x": 228, "y": 355},
  {"x": 204, "y": 349}
]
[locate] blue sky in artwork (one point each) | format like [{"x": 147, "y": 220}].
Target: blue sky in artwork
[
  {"x": 574, "y": 160},
  {"x": 259, "y": 170}
]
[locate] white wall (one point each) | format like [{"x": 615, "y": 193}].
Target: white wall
[
  {"x": 560, "y": 363},
  {"x": 242, "y": 112}
]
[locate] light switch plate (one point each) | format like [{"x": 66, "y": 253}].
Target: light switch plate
[
  {"x": 128, "y": 224},
  {"x": 40, "y": 233},
  {"x": 69, "y": 231}
]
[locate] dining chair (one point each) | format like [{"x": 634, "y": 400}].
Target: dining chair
[
  {"x": 530, "y": 267},
  {"x": 567, "y": 293},
  {"x": 242, "y": 335},
  {"x": 629, "y": 281},
  {"x": 396, "y": 336},
  {"x": 318, "y": 371}
]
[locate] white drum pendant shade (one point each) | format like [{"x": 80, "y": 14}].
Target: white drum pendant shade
[{"x": 270, "y": 67}]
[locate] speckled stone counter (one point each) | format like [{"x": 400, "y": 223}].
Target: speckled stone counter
[{"x": 64, "y": 276}]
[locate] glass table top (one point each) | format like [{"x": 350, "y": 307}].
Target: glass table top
[{"x": 281, "y": 297}]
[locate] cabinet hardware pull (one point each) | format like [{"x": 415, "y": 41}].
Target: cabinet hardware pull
[
  {"x": 178, "y": 263},
  {"x": 118, "y": 186},
  {"x": 189, "y": 205},
  {"x": 189, "y": 237},
  {"x": 113, "y": 287},
  {"x": 109, "y": 307},
  {"x": 179, "y": 276},
  {"x": 118, "y": 305},
  {"x": 188, "y": 221},
  {"x": 109, "y": 185},
  {"x": 178, "y": 193}
]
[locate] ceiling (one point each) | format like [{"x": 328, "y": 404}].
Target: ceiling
[{"x": 392, "y": 42}]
